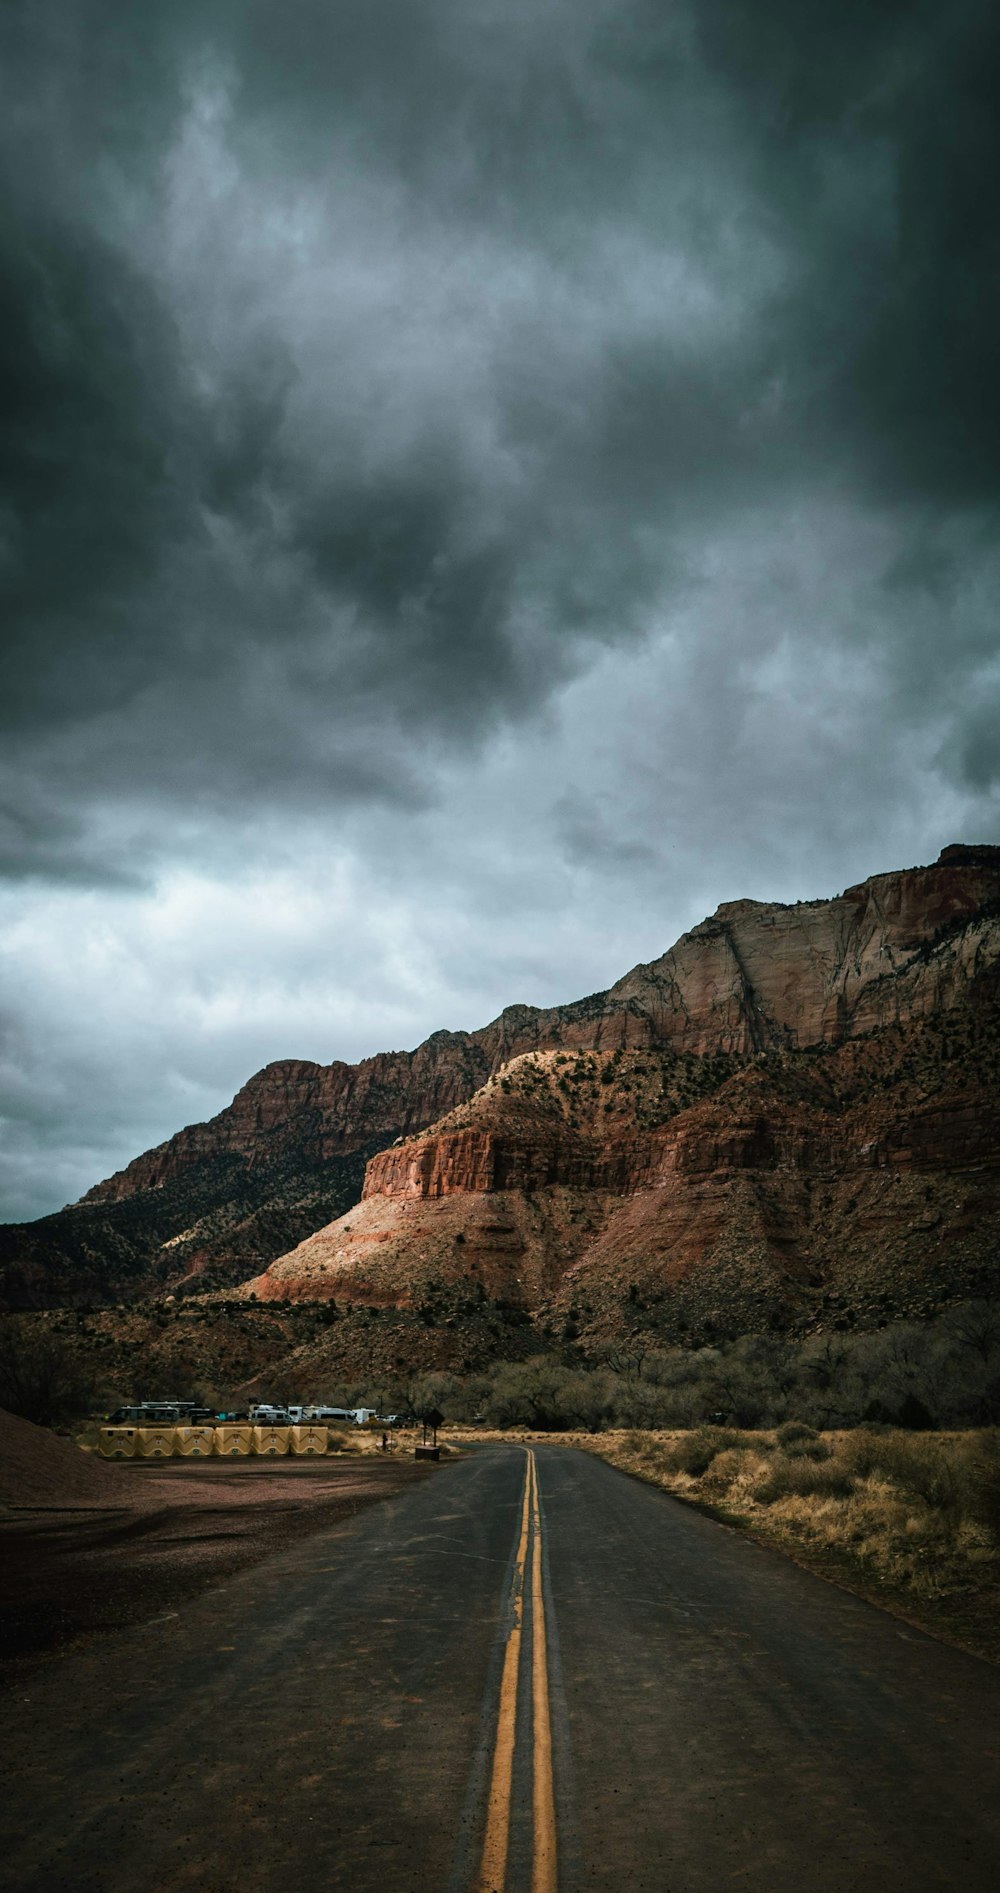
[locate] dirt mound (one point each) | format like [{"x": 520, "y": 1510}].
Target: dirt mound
[{"x": 39, "y": 1468}]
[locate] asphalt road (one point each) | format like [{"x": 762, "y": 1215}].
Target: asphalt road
[{"x": 506, "y": 1678}]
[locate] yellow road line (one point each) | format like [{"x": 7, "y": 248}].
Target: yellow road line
[
  {"x": 544, "y": 1870},
  {"x": 493, "y": 1866}
]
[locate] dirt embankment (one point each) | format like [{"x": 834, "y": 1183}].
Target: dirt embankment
[
  {"x": 39, "y": 1468},
  {"x": 87, "y": 1547}
]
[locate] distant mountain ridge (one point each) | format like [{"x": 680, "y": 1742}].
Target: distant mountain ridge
[{"x": 219, "y": 1201}]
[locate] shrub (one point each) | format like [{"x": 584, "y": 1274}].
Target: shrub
[
  {"x": 921, "y": 1468},
  {"x": 695, "y": 1452},
  {"x": 800, "y": 1476},
  {"x": 42, "y": 1377},
  {"x": 735, "y": 1464},
  {"x": 799, "y": 1441},
  {"x": 979, "y": 1483}
]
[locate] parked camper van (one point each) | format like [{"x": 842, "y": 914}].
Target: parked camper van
[{"x": 160, "y": 1413}]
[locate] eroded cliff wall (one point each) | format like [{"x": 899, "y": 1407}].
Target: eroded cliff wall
[
  {"x": 754, "y": 976},
  {"x": 218, "y": 1200}
]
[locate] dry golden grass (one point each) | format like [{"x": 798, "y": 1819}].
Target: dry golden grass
[{"x": 921, "y": 1510}]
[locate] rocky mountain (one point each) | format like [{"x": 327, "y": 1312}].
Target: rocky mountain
[
  {"x": 693, "y": 1115},
  {"x": 736, "y": 1191}
]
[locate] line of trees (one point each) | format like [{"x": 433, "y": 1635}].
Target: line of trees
[
  {"x": 943, "y": 1373},
  {"x": 940, "y": 1373}
]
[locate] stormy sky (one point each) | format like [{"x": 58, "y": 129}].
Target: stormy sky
[{"x": 481, "y": 482}]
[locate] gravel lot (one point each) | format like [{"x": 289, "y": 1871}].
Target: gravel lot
[{"x": 86, "y": 1547}]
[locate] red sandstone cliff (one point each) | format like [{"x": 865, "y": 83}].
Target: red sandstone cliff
[
  {"x": 756, "y": 975},
  {"x": 868, "y": 1172},
  {"x": 756, "y": 981}
]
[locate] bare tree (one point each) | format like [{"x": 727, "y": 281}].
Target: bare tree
[{"x": 42, "y": 1377}]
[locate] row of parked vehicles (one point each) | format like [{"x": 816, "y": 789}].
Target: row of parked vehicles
[
  {"x": 264, "y": 1414},
  {"x": 259, "y": 1413}
]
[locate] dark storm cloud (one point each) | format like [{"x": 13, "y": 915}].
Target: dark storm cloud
[
  {"x": 545, "y": 451},
  {"x": 89, "y": 498},
  {"x": 574, "y": 282},
  {"x": 901, "y": 290}
]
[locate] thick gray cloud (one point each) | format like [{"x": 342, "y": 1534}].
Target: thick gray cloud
[{"x": 479, "y": 483}]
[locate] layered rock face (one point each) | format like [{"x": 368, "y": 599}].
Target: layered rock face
[
  {"x": 831, "y": 1183},
  {"x": 219, "y": 1200},
  {"x": 319, "y": 1111},
  {"x": 752, "y": 977},
  {"x": 757, "y": 976}
]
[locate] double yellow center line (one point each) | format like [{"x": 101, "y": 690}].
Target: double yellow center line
[{"x": 493, "y": 1866}]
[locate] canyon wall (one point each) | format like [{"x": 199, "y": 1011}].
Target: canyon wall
[
  {"x": 754, "y": 976},
  {"x": 860, "y": 1180},
  {"x": 219, "y": 1201}
]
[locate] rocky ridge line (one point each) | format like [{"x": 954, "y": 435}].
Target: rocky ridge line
[
  {"x": 754, "y": 976},
  {"x": 220, "y": 1200}
]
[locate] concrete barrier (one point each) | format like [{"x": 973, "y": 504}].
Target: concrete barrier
[
  {"x": 116, "y": 1442},
  {"x": 233, "y": 1440},
  {"x": 156, "y": 1442},
  {"x": 192, "y": 1442},
  {"x": 269, "y": 1440},
  {"x": 309, "y": 1439},
  {"x": 199, "y": 1442}
]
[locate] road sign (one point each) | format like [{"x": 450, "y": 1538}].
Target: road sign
[{"x": 432, "y": 1417}]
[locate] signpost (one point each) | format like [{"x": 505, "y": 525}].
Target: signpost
[{"x": 432, "y": 1417}]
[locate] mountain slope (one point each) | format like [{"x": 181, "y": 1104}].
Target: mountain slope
[
  {"x": 690, "y": 1196},
  {"x": 219, "y": 1200}
]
